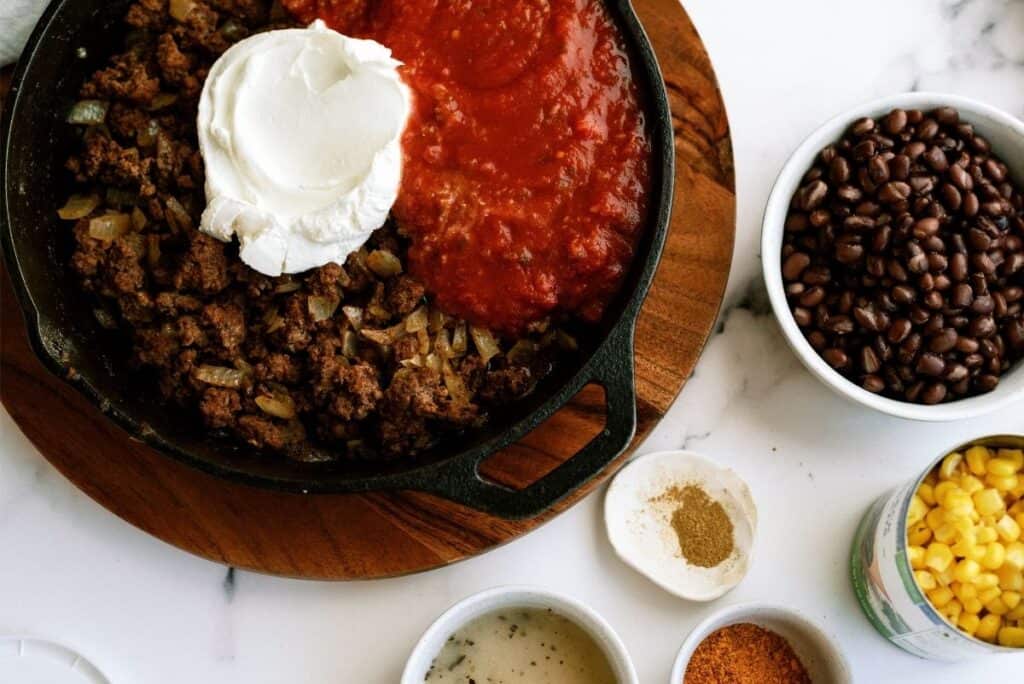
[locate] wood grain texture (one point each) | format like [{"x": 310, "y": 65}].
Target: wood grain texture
[{"x": 385, "y": 534}]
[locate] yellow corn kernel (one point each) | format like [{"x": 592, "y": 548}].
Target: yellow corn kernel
[
  {"x": 917, "y": 510},
  {"x": 966, "y": 542},
  {"x": 973, "y": 605},
  {"x": 945, "y": 578},
  {"x": 986, "y": 535},
  {"x": 925, "y": 580},
  {"x": 977, "y": 457},
  {"x": 976, "y": 553},
  {"x": 1010, "y": 578},
  {"x": 968, "y": 622},
  {"x": 1012, "y": 637},
  {"x": 952, "y": 610},
  {"x": 967, "y": 570},
  {"x": 950, "y": 464},
  {"x": 935, "y": 518},
  {"x": 940, "y": 490},
  {"x": 946, "y": 534},
  {"x": 940, "y": 596},
  {"x": 920, "y": 534},
  {"x": 1017, "y": 614},
  {"x": 1014, "y": 456},
  {"x": 997, "y": 607},
  {"x": 1003, "y": 483},
  {"x": 1000, "y": 467},
  {"x": 988, "y": 628},
  {"x": 964, "y": 591},
  {"x": 1011, "y": 599},
  {"x": 938, "y": 556},
  {"x": 986, "y": 580},
  {"x": 957, "y": 502},
  {"x": 927, "y": 493},
  {"x": 915, "y": 556},
  {"x": 971, "y": 484},
  {"x": 987, "y": 502},
  {"x": 988, "y": 595},
  {"x": 995, "y": 556},
  {"x": 1008, "y": 529},
  {"x": 1019, "y": 519},
  {"x": 1015, "y": 554}
]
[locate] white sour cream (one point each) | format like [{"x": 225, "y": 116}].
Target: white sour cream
[{"x": 300, "y": 131}]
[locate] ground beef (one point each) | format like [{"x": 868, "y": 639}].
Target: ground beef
[
  {"x": 219, "y": 407},
  {"x": 204, "y": 266},
  {"x": 368, "y": 380},
  {"x": 127, "y": 78},
  {"x": 404, "y": 294}
]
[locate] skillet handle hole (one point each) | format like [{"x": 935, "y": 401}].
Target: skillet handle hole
[{"x": 550, "y": 444}]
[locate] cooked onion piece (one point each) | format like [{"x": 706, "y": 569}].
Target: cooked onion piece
[
  {"x": 219, "y": 376},
  {"x": 78, "y": 206},
  {"x": 109, "y": 227}
]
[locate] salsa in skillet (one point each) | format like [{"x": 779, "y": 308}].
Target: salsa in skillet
[{"x": 527, "y": 165}]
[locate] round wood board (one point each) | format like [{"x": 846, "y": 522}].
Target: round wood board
[{"x": 364, "y": 536}]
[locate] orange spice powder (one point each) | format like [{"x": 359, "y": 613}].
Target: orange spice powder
[{"x": 745, "y": 654}]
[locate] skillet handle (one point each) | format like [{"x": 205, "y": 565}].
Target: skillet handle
[{"x": 612, "y": 368}]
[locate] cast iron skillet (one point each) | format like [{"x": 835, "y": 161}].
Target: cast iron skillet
[{"x": 72, "y": 39}]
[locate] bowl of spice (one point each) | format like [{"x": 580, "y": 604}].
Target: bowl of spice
[
  {"x": 759, "y": 644},
  {"x": 683, "y": 521},
  {"x": 523, "y": 635},
  {"x": 893, "y": 254}
]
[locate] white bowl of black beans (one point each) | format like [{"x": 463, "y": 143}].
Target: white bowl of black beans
[{"x": 893, "y": 253}]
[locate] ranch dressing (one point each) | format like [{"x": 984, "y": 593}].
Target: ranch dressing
[{"x": 521, "y": 646}]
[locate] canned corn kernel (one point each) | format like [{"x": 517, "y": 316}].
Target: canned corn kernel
[{"x": 884, "y": 583}]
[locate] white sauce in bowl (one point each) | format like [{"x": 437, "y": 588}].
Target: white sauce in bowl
[{"x": 521, "y": 646}]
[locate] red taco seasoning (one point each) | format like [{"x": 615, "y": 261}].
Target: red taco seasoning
[{"x": 745, "y": 654}]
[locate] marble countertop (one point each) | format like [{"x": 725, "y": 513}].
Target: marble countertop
[{"x": 145, "y": 612}]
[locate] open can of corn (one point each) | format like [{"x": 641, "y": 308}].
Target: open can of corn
[{"x": 949, "y": 587}]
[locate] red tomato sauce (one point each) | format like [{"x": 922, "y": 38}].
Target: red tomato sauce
[{"x": 527, "y": 165}]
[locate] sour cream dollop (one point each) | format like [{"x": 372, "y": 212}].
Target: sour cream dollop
[{"x": 300, "y": 131}]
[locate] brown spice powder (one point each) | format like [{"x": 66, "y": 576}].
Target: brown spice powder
[
  {"x": 702, "y": 525},
  {"x": 745, "y": 654}
]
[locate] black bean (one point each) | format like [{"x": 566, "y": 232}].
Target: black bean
[
  {"x": 894, "y": 191},
  {"x": 836, "y": 358},
  {"x": 934, "y": 393},
  {"x": 930, "y": 364},
  {"x": 982, "y": 326},
  {"x": 795, "y": 265},
  {"x": 944, "y": 341},
  {"x": 899, "y": 330}
]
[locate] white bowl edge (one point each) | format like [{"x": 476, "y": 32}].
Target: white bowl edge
[
  {"x": 481, "y": 603},
  {"x": 1004, "y": 131}
]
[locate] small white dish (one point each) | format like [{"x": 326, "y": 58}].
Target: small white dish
[
  {"x": 641, "y": 533},
  {"x": 470, "y": 608},
  {"x": 821, "y": 657},
  {"x": 1006, "y": 134}
]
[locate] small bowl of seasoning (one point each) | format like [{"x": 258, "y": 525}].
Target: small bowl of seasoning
[
  {"x": 893, "y": 254},
  {"x": 683, "y": 521},
  {"x": 757, "y": 643},
  {"x": 521, "y": 635}
]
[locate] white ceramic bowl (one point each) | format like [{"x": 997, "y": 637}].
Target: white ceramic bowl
[
  {"x": 1003, "y": 131},
  {"x": 824, "y": 662},
  {"x": 476, "y": 605}
]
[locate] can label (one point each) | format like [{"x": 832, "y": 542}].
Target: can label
[{"x": 888, "y": 593}]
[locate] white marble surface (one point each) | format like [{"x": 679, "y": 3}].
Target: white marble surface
[{"x": 146, "y": 612}]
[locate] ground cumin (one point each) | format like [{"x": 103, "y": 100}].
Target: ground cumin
[
  {"x": 745, "y": 654},
  {"x": 702, "y": 525}
]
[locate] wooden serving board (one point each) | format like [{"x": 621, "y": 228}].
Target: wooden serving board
[{"x": 365, "y": 536}]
